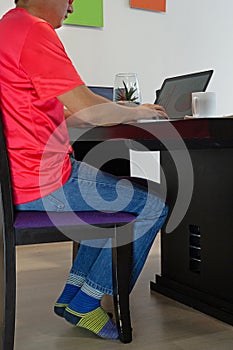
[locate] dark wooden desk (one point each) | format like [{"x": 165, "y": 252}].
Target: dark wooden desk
[{"x": 197, "y": 256}]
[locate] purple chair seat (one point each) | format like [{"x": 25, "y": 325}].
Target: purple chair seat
[{"x": 39, "y": 219}]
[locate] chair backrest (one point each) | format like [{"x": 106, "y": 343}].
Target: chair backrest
[
  {"x": 8, "y": 215},
  {"x": 6, "y": 205}
]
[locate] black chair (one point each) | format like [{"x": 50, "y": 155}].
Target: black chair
[{"x": 20, "y": 228}]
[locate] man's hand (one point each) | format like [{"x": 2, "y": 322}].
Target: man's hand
[{"x": 159, "y": 110}]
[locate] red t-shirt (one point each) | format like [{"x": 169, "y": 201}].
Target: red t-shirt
[{"x": 34, "y": 69}]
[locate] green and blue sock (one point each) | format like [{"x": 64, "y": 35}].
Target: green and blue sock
[
  {"x": 72, "y": 287},
  {"x": 85, "y": 311}
]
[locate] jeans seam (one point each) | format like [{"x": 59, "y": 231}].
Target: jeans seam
[
  {"x": 95, "y": 285},
  {"x": 59, "y": 204},
  {"x": 78, "y": 273},
  {"x": 77, "y": 179}
]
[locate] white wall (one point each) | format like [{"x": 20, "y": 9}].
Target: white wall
[{"x": 190, "y": 36}]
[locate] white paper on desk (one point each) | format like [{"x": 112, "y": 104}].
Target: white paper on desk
[{"x": 145, "y": 164}]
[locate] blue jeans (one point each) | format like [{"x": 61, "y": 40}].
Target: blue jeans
[{"x": 89, "y": 189}]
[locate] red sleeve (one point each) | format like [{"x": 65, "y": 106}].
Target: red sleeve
[{"x": 46, "y": 63}]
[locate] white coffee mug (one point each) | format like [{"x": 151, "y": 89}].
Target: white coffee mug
[{"x": 204, "y": 104}]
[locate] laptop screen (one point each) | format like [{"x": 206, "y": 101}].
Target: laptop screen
[
  {"x": 105, "y": 91},
  {"x": 175, "y": 94}
]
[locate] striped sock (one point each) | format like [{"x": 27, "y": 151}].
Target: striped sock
[
  {"x": 72, "y": 287},
  {"x": 84, "y": 311}
]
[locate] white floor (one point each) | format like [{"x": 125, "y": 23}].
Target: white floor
[{"x": 158, "y": 323}]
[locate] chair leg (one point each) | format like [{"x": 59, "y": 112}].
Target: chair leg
[
  {"x": 1, "y": 290},
  {"x": 75, "y": 246},
  {"x": 8, "y": 296},
  {"x": 122, "y": 266},
  {"x": 10, "y": 316}
]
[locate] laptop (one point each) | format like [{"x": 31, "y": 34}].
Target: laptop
[{"x": 175, "y": 94}]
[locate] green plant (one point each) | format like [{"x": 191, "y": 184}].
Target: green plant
[{"x": 127, "y": 94}]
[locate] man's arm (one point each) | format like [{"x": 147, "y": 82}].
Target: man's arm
[{"x": 85, "y": 107}]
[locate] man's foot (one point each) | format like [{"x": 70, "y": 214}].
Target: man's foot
[
  {"x": 96, "y": 321},
  {"x": 65, "y": 298}
]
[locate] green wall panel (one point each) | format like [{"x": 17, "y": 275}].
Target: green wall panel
[{"x": 87, "y": 13}]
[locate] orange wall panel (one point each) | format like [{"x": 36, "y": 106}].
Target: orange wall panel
[{"x": 154, "y": 5}]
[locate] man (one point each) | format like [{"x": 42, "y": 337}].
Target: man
[{"x": 37, "y": 79}]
